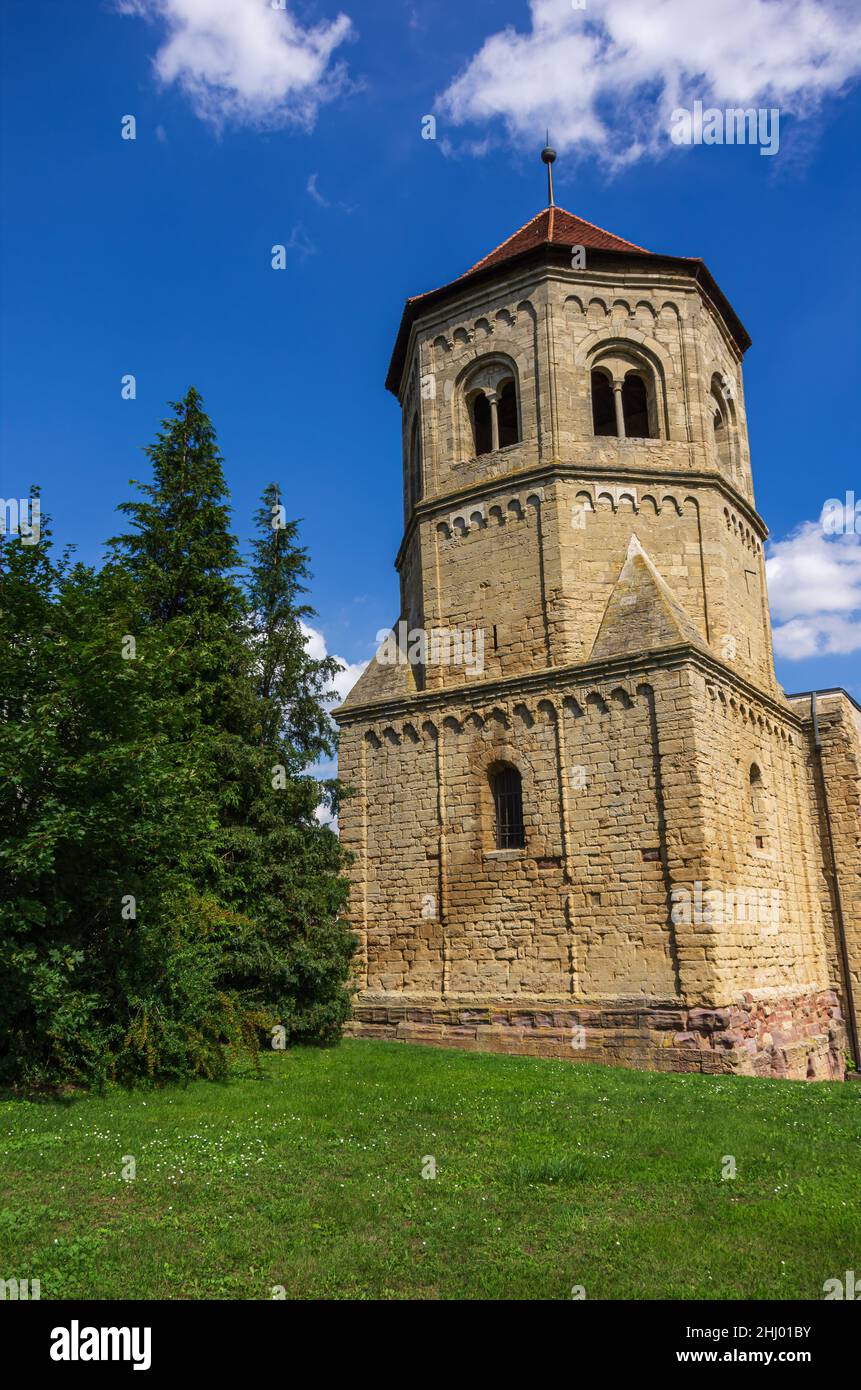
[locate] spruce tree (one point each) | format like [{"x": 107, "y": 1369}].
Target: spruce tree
[
  {"x": 293, "y": 870},
  {"x": 291, "y": 685},
  {"x": 240, "y": 651},
  {"x": 182, "y": 554}
]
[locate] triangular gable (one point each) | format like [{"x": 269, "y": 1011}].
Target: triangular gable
[{"x": 642, "y": 612}]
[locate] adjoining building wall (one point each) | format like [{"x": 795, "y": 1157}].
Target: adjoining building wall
[
  {"x": 834, "y": 778},
  {"x": 762, "y": 841}
]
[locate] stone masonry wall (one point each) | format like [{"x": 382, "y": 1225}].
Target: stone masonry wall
[
  {"x": 637, "y": 798},
  {"x": 760, "y": 844},
  {"x": 798, "y": 1038},
  {"x": 840, "y": 734},
  {"x": 471, "y": 565},
  {"x": 581, "y": 911}
]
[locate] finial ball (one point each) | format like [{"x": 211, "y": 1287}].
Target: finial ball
[{"x": 548, "y": 154}]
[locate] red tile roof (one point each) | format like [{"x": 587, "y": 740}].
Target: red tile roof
[
  {"x": 562, "y": 229},
  {"x": 554, "y": 227}
]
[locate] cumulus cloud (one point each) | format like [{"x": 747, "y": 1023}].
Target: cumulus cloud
[
  {"x": 246, "y": 61},
  {"x": 343, "y": 683},
  {"x": 814, "y": 587},
  {"x": 606, "y": 78}
]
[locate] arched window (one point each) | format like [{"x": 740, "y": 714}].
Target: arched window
[
  {"x": 635, "y": 407},
  {"x": 508, "y": 807},
  {"x": 722, "y": 419},
  {"x": 415, "y": 464},
  {"x": 482, "y": 433},
  {"x": 720, "y": 429},
  {"x": 489, "y": 393},
  {"x": 603, "y": 405},
  {"x": 506, "y": 408},
  {"x": 626, "y": 394}
]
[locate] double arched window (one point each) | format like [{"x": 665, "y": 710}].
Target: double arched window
[
  {"x": 506, "y": 409},
  {"x": 603, "y": 404},
  {"x": 493, "y": 408},
  {"x": 635, "y": 407},
  {"x": 723, "y": 420},
  {"x": 623, "y": 402},
  {"x": 482, "y": 425}
]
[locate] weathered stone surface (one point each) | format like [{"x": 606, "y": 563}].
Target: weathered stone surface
[{"x": 671, "y": 906}]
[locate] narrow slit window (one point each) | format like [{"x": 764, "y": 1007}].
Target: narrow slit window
[
  {"x": 415, "y": 465},
  {"x": 508, "y": 805},
  {"x": 757, "y": 805}
]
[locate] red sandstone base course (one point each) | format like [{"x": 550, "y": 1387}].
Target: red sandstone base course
[{"x": 801, "y": 1038}]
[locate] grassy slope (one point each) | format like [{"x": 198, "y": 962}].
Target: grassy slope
[{"x": 549, "y": 1175}]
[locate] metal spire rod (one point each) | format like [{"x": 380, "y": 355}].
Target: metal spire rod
[{"x": 548, "y": 155}]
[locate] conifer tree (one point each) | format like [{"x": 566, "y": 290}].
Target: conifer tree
[
  {"x": 291, "y": 685},
  {"x": 166, "y": 886},
  {"x": 182, "y": 554},
  {"x": 292, "y": 866},
  {"x": 240, "y": 651}
]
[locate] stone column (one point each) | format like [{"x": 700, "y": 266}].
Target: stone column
[
  {"x": 620, "y": 413},
  {"x": 494, "y": 420}
]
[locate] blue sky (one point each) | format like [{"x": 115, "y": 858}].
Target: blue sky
[{"x": 257, "y": 125}]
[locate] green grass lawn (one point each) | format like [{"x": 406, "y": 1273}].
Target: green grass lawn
[{"x": 549, "y": 1175}]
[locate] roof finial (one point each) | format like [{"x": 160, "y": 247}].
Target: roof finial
[{"x": 548, "y": 155}]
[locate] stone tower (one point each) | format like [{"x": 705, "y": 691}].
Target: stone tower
[{"x": 586, "y": 820}]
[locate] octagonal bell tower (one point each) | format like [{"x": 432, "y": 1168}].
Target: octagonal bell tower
[
  {"x": 605, "y": 383},
  {"x": 575, "y": 727}
]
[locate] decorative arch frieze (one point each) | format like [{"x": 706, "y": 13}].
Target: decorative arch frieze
[
  {"x": 741, "y": 531},
  {"x": 478, "y": 516},
  {"x": 494, "y": 722},
  {"x": 614, "y": 495},
  {"x": 747, "y": 712}
]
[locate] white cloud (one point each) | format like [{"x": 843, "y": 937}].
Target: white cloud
[
  {"x": 606, "y": 78},
  {"x": 245, "y": 61},
  {"x": 814, "y": 587},
  {"x": 343, "y": 683},
  {"x": 315, "y": 192}
]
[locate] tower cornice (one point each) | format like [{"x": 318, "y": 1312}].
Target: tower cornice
[
  {"x": 559, "y": 678},
  {"x": 549, "y": 472}
]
